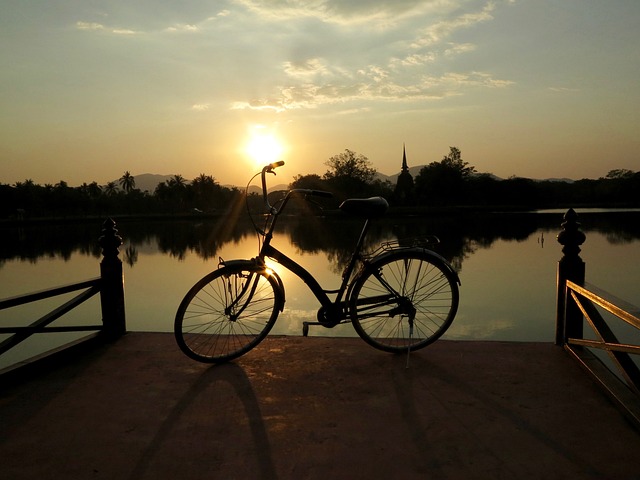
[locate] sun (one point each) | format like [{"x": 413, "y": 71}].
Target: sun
[{"x": 263, "y": 147}]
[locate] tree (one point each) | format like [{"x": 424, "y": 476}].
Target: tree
[
  {"x": 444, "y": 181},
  {"x": 312, "y": 182},
  {"x": 620, "y": 174},
  {"x": 111, "y": 189},
  {"x": 350, "y": 174},
  {"x": 207, "y": 193},
  {"x": 350, "y": 164},
  {"x": 454, "y": 162},
  {"x": 174, "y": 193},
  {"x": 177, "y": 181},
  {"x": 127, "y": 182}
]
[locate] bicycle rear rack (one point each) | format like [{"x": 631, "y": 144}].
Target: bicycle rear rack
[{"x": 422, "y": 242}]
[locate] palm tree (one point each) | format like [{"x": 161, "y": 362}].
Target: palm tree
[
  {"x": 127, "y": 182},
  {"x": 94, "y": 190},
  {"x": 177, "y": 181},
  {"x": 111, "y": 189},
  {"x": 28, "y": 183},
  {"x": 205, "y": 190},
  {"x": 203, "y": 179}
]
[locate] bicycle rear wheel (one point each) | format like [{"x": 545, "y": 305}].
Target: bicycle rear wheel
[
  {"x": 226, "y": 314},
  {"x": 404, "y": 301}
]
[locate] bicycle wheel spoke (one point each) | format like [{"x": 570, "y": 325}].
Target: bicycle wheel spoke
[
  {"x": 226, "y": 314},
  {"x": 424, "y": 302}
]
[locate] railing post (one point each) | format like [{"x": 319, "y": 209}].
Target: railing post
[
  {"x": 570, "y": 267},
  {"x": 112, "y": 287}
]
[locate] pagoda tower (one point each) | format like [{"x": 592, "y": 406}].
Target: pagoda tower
[{"x": 403, "y": 192}]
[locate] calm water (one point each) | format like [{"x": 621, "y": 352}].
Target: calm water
[{"x": 506, "y": 262}]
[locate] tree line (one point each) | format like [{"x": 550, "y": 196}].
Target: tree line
[
  {"x": 174, "y": 196},
  {"x": 448, "y": 182},
  {"x": 454, "y": 182}
]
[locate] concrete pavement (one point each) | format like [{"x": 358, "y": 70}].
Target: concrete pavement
[{"x": 315, "y": 408}]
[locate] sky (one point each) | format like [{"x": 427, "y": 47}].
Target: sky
[{"x": 90, "y": 89}]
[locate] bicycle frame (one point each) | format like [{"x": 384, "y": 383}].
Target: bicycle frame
[
  {"x": 269, "y": 251},
  {"x": 318, "y": 291},
  {"x": 332, "y": 311}
]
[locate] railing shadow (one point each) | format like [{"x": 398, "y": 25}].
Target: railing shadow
[
  {"x": 404, "y": 382},
  {"x": 236, "y": 377}
]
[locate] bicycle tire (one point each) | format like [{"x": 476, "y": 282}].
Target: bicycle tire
[
  {"x": 227, "y": 313},
  {"x": 401, "y": 284}
]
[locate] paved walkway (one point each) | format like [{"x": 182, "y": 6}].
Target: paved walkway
[{"x": 314, "y": 408}]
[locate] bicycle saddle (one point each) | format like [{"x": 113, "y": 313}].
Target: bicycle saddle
[{"x": 365, "y": 207}]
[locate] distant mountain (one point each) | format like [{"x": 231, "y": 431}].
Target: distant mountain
[
  {"x": 149, "y": 181},
  {"x": 271, "y": 188},
  {"x": 414, "y": 171}
]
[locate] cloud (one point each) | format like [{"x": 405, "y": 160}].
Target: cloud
[
  {"x": 276, "y": 105},
  {"x": 376, "y": 85},
  {"x": 374, "y": 14},
  {"x": 183, "y": 28},
  {"x": 310, "y": 53},
  {"x": 337, "y": 77},
  {"x": 305, "y": 69},
  {"x": 93, "y": 26},
  {"x": 443, "y": 29},
  {"x": 564, "y": 89},
  {"x": 409, "y": 60},
  {"x": 457, "y": 49},
  {"x": 89, "y": 26}
]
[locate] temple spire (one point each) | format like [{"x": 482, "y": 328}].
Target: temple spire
[
  {"x": 405, "y": 168},
  {"x": 403, "y": 193}
]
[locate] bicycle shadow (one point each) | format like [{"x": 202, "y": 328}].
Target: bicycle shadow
[{"x": 236, "y": 377}]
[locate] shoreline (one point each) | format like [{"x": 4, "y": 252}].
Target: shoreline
[{"x": 403, "y": 212}]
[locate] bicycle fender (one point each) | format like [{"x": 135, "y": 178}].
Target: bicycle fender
[
  {"x": 437, "y": 258},
  {"x": 254, "y": 266},
  {"x": 249, "y": 264}
]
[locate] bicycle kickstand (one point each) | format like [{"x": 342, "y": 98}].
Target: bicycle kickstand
[
  {"x": 305, "y": 327},
  {"x": 410, "y": 340}
]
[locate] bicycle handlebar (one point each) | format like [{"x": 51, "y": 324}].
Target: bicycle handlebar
[
  {"x": 268, "y": 169},
  {"x": 301, "y": 191},
  {"x": 312, "y": 193}
]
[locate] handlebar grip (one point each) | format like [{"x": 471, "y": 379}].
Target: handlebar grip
[{"x": 273, "y": 165}]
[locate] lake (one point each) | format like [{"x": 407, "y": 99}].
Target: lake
[{"x": 506, "y": 261}]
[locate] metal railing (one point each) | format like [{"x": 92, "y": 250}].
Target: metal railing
[
  {"x": 580, "y": 304},
  {"x": 110, "y": 286}
]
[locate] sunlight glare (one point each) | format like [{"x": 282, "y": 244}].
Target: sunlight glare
[{"x": 263, "y": 147}]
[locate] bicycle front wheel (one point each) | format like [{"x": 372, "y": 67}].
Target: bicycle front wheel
[
  {"x": 404, "y": 301},
  {"x": 226, "y": 314}
]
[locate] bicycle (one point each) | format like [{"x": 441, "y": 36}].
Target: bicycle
[{"x": 399, "y": 298}]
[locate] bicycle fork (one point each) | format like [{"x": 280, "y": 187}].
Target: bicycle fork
[{"x": 231, "y": 291}]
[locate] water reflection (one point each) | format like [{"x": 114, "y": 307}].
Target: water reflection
[
  {"x": 461, "y": 235},
  {"x": 508, "y": 278}
]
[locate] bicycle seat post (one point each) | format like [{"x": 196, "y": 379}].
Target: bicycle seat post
[{"x": 356, "y": 251}]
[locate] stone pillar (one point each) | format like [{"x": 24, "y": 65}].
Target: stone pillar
[
  {"x": 570, "y": 267},
  {"x": 112, "y": 287}
]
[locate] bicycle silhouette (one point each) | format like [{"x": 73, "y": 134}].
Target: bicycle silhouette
[{"x": 399, "y": 298}]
